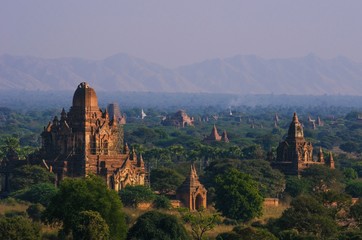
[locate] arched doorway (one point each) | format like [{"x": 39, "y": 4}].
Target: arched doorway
[{"x": 199, "y": 202}]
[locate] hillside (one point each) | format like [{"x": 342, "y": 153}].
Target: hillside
[{"x": 239, "y": 74}]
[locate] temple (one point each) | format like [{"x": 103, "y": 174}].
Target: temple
[
  {"x": 215, "y": 137},
  {"x": 86, "y": 140},
  {"x": 296, "y": 154},
  {"x": 178, "y": 119},
  {"x": 192, "y": 193}
]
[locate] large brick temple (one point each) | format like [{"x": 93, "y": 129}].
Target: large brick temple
[
  {"x": 295, "y": 154},
  {"x": 86, "y": 140}
]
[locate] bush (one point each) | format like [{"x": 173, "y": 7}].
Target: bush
[
  {"x": 38, "y": 193},
  {"x": 18, "y": 228},
  {"x": 156, "y": 225},
  {"x": 76, "y": 195},
  {"x": 162, "y": 202},
  {"x": 133, "y": 195},
  {"x": 35, "y": 211},
  {"x": 354, "y": 188},
  {"x": 90, "y": 225}
]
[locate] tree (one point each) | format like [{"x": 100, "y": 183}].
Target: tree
[
  {"x": 35, "y": 211},
  {"x": 18, "y": 228},
  {"x": 165, "y": 180},
  {"x": 90, "y": 226},
  {"x": 308, "y": 217},
  {"x": 253, "y": 152},
  {"x": 356, "y": 212},
  {"x": 29, "y": 175},
  {"x": 237, "y": 196},
  {"x": 83, "y": 194},
  {"x": 133, "y": 195},
  {"x": 354, "y": 188},
  {"x": 322, "y": 178},
  {"x": 200, "y": 222},
  {"x": 162, "y": 202},
  {"x": 350, "y": 174},
  {"x": 247, "y": 233},
  {"x": 271, "y": 182},
  {"x": 156, "y": 225},
  {"x": 38, "y": 193},
  {"x": 8, "y": 145},
  {"x": 296, "y": 186}
]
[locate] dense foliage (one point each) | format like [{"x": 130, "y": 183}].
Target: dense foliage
[
  {"x": 90, "y": 225},
  {"x": 29, "y": 175},
  {"x": 321, "y": 198},
  {"x": 133, "y": 195},
  {"x": 18, "y": 228},
  {"x": 237, "y": 196},
  {"x": 39, "y": 193},
  {"x": 87, "y": 194},
  {"x": 165, "y": 180},
  {"x": 157, "y": 225}
]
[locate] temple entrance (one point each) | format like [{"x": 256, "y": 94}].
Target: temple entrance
[{"x": 199, "y": 202}]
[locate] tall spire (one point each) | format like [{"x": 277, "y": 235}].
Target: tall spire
[
  {"x": 224, "y": 137},
  {"x": 140, "y": 162},
  {"x": 63, "y": 115},
  {"x": 295, "y": 118},
  {"x": 320, "y": 155},
  {"x": 295, "y": 129},
  {"x": 330, "y": 162}
]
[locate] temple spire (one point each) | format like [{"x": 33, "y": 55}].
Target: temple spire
[{"x": 320, "y": 155}]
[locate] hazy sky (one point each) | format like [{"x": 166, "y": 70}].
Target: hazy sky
[{"x": 174, "y": 33}]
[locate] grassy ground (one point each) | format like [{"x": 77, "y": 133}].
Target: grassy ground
[
  {"x": 12, "y": 205},
  {"x": 272, "y": 212},
  {"x": 8, "y": 206}
]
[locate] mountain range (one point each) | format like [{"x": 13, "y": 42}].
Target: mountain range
[{"x": 241, "y": 74}]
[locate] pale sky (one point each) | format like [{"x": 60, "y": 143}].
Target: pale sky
[{"x": 174, "y": 33}]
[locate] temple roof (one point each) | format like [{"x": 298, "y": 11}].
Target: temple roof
[
  {"x": 295, "y": 128},
  {"x": 85, "y": 96}
]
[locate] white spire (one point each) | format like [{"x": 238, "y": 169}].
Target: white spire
[{"x": 143, "y": 114}]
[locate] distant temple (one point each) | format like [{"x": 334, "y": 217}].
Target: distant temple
[
  {"x": 115, "y": 113},
  {"x": 296, "y": 154},
  {"x": 87, "y": 140},
  {"x": 178, "y": 119},
  {"x": 192, "y": 193},
  {"x": 215, "y": 137}
]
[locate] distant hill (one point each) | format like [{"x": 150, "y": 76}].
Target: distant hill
[{"x": 239, "y": 74}]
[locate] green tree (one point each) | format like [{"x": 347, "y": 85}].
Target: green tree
[
  {"x": 237, "y": 196},
  {"x": 247, "y": 233},
  {"x": 133, "y": 195},
  {"x": 38, "y": 193},
  {"x": 200, "y": 222},
  {"x": 308, "y": 217},
  {"x": 18, "y": 228},
  {"x": 356, "y": 212},
  {"x": 83, "y": 194},
  {"x": 322, "y": 178},
  {"x": 90, "y": 225},
  {"x": 253, "y": 152},
  {"x": 162, "y": 202},
  {"x": 354, "y": 188},
  {"x": 35, "y": 211},
  {"x": 296, "y": 186},
  {"x": 165, "y": 180},
  {"x": 350, "y": 174},
  {"x": 156, "y": 225},
  {"x": 9, "y": 145},
  {"x": 29, "y": 175},
  {"x": 271, "y": 182}
]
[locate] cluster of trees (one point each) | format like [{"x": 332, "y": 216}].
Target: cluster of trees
[{"x": 236, "y": 175}]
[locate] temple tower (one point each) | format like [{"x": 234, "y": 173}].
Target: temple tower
[{"x": 192, "y": 193}]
